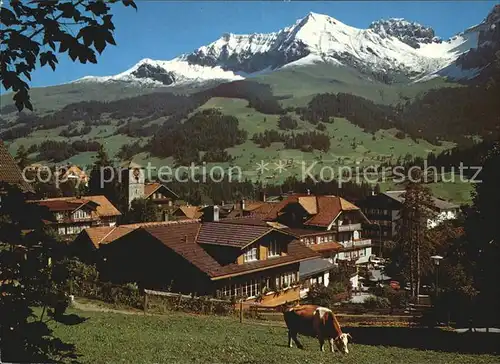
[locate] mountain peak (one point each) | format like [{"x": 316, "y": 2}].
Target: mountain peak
[{"x": 408, "y": 32}]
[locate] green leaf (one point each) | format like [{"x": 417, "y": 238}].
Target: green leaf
[
  {"x": 108, "y": 37},
  {"x": 97, "y": 7},
  {"x": 67, "y": 9},
  {"x": 130, "y": 3},
  {"x": 7, "y": 17},
  {"x": 99, "y": 45}
]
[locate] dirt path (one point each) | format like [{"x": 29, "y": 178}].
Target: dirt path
[{"x": 92, "y": 307}]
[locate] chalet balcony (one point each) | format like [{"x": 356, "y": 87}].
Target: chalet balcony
[
  {"x": 348, "y": 227},
  {"x": 356, "y": 243}
]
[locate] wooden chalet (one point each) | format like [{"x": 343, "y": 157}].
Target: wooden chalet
[
  {"x": 329, "y": 225},
  {"x": 71, "y": 215},
  {"x": 225, "y": 259}
]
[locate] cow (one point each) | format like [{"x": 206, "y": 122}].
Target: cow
[{"x": 315, "y": 321}]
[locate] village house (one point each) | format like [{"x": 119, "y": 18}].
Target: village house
[
  {"x": 71, "y": 215},
  {"x": 383, "y": 211},
  {"x": 187, "y": 212},
  {"x": 74, "y": 173},
  {"x": 222, "y": 258},
  {"x": 329, "y": 225}
]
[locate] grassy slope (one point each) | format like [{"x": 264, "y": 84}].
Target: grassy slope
[
  {"x": 301, "y": 83},
  {"x": 368, "y": 152},
  {"x": 182, "y": 338},
  {"x": 298, "y": 85}
]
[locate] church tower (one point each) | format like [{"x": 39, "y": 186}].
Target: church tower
[{"x": 133, "y": 179}]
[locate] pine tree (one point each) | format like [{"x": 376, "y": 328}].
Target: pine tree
[
  {"x": 483, "y": 233},
  {"x": 411, "y": 257},
  {"x": 22, "y": 157}
]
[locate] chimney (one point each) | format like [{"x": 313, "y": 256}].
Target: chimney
[
  {"x": 215, "y": 213},
  {"x": 242, "y": 204}
]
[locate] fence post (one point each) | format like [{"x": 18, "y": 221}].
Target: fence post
[
  {"x": 179, "y": 302},
  {"x": 145, "y": 303},
  {"x": 241, "y": 311}
]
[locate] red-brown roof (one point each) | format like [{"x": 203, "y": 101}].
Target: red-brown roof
[
  {"x": 191, "y": 212},
  {"x": 236, "y": 235},
  {"x": 10, "y": 172},
  {"x": 104, "y": 207},
  {"x": 326, "y": 246},
  {"x": 246, "y": 220},
  {"x": 100, "y": 235},
  {"x": 150, "y": 188},
  {"x": 323, "y": 210},
  {"x": 183, "y": 237},
  {"x": 59, "y": 205}
]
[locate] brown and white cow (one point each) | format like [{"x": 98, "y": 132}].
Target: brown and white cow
[{"x": 315, "y": 321}]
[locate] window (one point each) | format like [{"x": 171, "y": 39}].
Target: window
[
  {"x": 274, "y": 249},
  {"x": 321, "y": 239},
  {"x": 80, "y": 214},
  {"x": 248, "y": 289},
  {"x": 61, "y": 230},
  {"x": 250, "y": 255}
]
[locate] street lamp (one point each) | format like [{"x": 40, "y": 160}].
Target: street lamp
[{"x": 436, "y": 259}]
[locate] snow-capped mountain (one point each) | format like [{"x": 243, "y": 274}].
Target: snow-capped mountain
[
  {"x": 410, "y": 33},
  {"x": 387, "y": 47}
]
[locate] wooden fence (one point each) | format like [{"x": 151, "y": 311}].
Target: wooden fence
[{"x": 160, "y": 302}]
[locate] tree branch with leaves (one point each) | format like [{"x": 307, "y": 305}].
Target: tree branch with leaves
[{"x": 35, "y": 32}]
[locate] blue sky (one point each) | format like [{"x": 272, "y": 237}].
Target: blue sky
[{"x": 164, "y": 29}]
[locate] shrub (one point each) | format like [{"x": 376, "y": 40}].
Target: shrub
[
  {"x": 323, "y": 296},
  {"x": 376, "y": 302}
]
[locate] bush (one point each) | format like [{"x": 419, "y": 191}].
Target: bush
[
  {"x": 376, "y": 302},
  {"x": 323, "y": 296},
  {"x": 321, "y": 127},
  {"x": 397, "y": 299}
]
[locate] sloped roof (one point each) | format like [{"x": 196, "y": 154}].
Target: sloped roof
[
  {"x": 100, "y": 235},
  {"x": 191, "y": 212},
  {"x": 104, "y": 207},
  {"x": 58, "y": 205},
  {"x": 251, "y": 208},
  {"x": 326, "y": 247},
  {"x": 185, "y": 238},
  {"x": 314, "y": 266},
  {"x": 150, "y": 188},
  {"x": 323, "y": 209},
  {"x": 106, "y": 234},
  {"x": 181, "y": 238},
  {"x": 10, "y": 172},
  {"x": 235, "y": 235}
]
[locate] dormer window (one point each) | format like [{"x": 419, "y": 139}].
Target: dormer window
[
  {"x": 274, "y": 249},
  {"x": 250, "y": 255}
]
